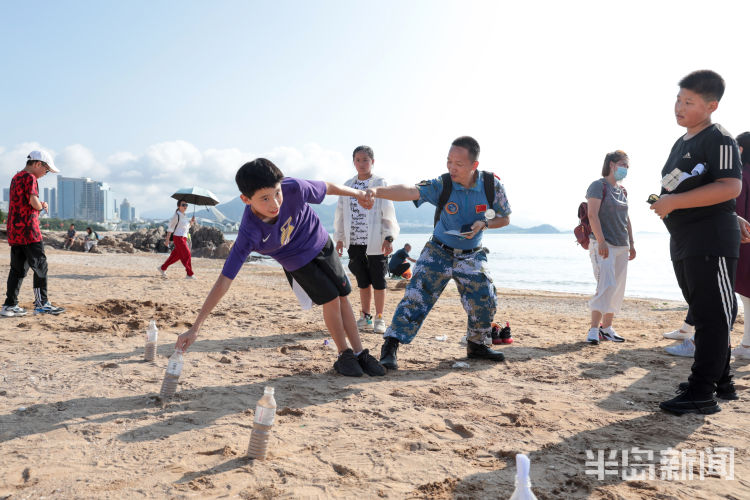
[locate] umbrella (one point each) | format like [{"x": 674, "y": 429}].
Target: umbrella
[{"x": 196, "y": 196}]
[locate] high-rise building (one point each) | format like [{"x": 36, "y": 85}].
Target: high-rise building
[
  {"x": 6, "y": 194},
  {"x": 46, "y": 195},
  {"x": 82, "y": 198},
  {"x": 125, "y": 210},
  {"x": 53, "y": 202},
  {"x": 132, "y": 213}
]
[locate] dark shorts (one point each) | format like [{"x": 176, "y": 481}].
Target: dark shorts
[
  {"x": 368, "y": 269},
  {"x": 323, "y": 278}
]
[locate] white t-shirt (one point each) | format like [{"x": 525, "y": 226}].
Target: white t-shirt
[{"x": 359, "y": 229}]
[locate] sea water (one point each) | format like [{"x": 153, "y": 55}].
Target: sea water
[{"x": 554, "y": 262}]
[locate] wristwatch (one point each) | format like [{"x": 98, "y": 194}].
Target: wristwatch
[
  {"x": 486, "y": 224},
  {"x": 389, "y": 239}
]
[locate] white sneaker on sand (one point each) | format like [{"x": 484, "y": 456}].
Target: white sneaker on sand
[
  {"x": 162, "y": 272},
  {"x": 378, "y": 325},
  {"x": 364, "y": 323},
  {"x": 685, "y": 349},
  {"x": 191, "y": 277},
  {"x": 685, "y": 332},
  {"x": 593, "y": 336},
  {"x": 741, "y": 352},
  {"x": 11, "y": 311}
]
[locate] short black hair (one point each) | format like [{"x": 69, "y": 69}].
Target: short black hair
[
  {"x": 470, "y": 144},
  {"x": 743, "y": 141},
  {"x": 614, "y": 156},
  {"x": 364, "y": 149},
  {"x": 708, "y": 84},
  {"x": 257, "y": 174}
]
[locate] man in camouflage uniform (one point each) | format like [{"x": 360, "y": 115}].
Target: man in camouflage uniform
[{"x": 453, "y": 252}]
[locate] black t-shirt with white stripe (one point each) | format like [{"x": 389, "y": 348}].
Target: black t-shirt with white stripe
[{"x": 711, "y": 230}]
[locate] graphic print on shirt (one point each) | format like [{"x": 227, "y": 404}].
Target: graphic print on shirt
[
  {"x": 358, "y": 228},
  {"x": 286, "y": 231}
]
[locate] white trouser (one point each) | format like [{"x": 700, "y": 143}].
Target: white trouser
[
  {"x": 610, "y": 275},
  {"x": 746, "y": 307}
]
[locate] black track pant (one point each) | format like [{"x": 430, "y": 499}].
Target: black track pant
[
  {"x": 23, "y": 257},
  {"x": 707, "y": 284}
]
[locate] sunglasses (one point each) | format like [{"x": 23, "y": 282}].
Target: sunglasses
[{"x": 183, "y": 204}]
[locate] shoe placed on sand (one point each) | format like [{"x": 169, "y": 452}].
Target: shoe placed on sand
[
  {"x": 378, "y": 325},
  {"x": 162, "y": 272},
  {"x": 501, "y": 335},
  {"x": 685, "y": 349},
  {"x": 388, "y": 353},
  {"x": 370, "y": 365},
  {"x": 685, "y": 332},
  {"x": 685, "y": 403},
  {"x": 609, "y": 334},
  {"x": 739, "y": 352},
  {"x": 481, "y": 351},
  {"x": 13, "y": 311},
  {"x": 365, "y": 322},
  {"x": 347, "y": 364},
  {"x": 725, "y": 390},
  {"x": 191, "y": 277},
  {"x": 593, "y": 336},
  {"x": 48, "y": 309}
]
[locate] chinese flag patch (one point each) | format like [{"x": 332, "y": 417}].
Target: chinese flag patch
[{"x": 480, "y": 209}]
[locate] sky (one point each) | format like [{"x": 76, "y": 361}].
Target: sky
[{"x": 151, "y": 96}]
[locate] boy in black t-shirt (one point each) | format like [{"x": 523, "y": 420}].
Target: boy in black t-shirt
[{"x": 700, "y": 180}]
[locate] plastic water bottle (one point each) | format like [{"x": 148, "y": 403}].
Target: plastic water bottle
[
  {"x": 265, "y": 413},
  {"x": 523, "y": 483},
  {"x": 152, "y": 334},
  {"x": 172, "y": 375}
]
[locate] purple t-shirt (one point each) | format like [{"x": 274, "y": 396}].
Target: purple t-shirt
[{"x": 293, "y": 240}]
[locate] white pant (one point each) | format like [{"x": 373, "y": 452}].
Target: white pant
[
  {"x": 610, "y": 275},
  {"x": 746, "y": 307}
]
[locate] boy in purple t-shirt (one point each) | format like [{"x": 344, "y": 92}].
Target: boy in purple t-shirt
[{"x": 278, "y": 222}]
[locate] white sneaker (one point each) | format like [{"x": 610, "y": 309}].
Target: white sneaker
[
  {"x": 191, "y": 277},
  {"x": 741, "y": 352},
  {"x": 685, "y": 349},
  {"x": 378, "y": 325},
  {"x": 10, "y": 311},
  {"x": 162, "y": 272},
  {"x": 609, "y": 334},
  {"x": 364, "y": 323},
  {"x": 593, "y": 336},
  {"x": 685, "y": 332}
]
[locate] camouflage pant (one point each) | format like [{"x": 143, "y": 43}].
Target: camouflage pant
[{"x": 435, "y": 267}]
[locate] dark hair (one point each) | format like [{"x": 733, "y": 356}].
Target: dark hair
[
  {"x": 257, "y": 174},
  {"x": 364, "y": 149},
  {"x": 180, "y": 201},
  {"x": 72, "y": 224},
  {"x": 708, "y": 84},
  {"x": 89, "y": 230},
  {"x": 614, "y": 156},
  {"x": 743, "y": 141},
  {"x": 470, "y": 144}
]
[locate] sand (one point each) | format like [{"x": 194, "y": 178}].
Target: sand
[{"x": 79, "y": 416}]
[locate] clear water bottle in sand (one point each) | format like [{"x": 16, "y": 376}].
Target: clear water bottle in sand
[
  {"x": 265, "y": 413},
  {"x": 152, "y": 334},
  {"x": 523, "y": 483},
  {"x": 172, "y": 375}
]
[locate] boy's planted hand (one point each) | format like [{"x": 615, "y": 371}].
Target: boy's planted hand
[{"x": 186, "y": 339}]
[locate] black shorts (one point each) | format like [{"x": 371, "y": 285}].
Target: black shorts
[
  {"x": 368, "y": 269},
  {"x": 323, "y": 278}
]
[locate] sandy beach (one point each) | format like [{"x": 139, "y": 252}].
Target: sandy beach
[{"x": 79, "y": 419}]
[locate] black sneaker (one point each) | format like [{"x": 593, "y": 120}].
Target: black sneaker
[
  {"x": 481, "y": 351},
  {"x": 388, "y": 353},
  {"x": 725, "y": 391},
  {"x": 347, "y": 364},
  {"x": 501, "y": 335},
  {"x": 370, "y": 365},
  {"x": 684, "y": 403}
]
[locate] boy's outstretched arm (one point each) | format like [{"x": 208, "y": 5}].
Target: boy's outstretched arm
[
  {"x": 339, "y": 190},
  {"x": 214, "y": 296},
  {"x": 719, "y": 191},
  {"x": 396, "y": 192}
]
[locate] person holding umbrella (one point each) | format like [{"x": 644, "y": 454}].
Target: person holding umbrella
[{"x": 179, "y": 226}]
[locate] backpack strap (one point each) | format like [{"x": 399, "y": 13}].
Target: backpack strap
[
  {"x": 488, "y": 180},
  {"x": 489, "y": 187}
]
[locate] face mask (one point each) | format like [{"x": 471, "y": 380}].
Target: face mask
[{"x": 621, "y": 173}]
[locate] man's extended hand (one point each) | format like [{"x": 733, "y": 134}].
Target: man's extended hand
[{"x": 365, "y": 198}]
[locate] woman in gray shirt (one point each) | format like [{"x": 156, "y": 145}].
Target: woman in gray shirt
[{"x": 611, "y": 245}]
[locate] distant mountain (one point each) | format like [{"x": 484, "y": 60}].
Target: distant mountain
[{"x": 410, "y": 218}]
